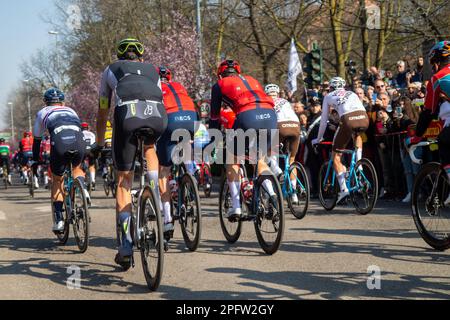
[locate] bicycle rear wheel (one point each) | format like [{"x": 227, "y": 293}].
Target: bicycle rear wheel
[
  {"x": 190, "y": 212},
  {"x": 301, "y": 190},
  {"x": 207, "y": 177},
  {"x": 328, "y": 189},
  {"x": 80, "y": 216},
  {"x": 269, "y": 222},
  {"x": 231, "y": 229},
  {"x": 31, "y": 182},
  {"x": 151, "y": 239},
  {"x": 430, "y": 214},
  {"x": 364, "y": 179}
]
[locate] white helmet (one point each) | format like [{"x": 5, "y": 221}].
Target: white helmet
[
  {"x": 337, "y": 83},
  {"x": 272, "y": 88}
]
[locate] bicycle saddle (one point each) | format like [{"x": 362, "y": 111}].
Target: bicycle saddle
[
  {"x": 359, "y": 129},
  {"x": 144, "y": 132},
  {"x": 71, "y": 154}
]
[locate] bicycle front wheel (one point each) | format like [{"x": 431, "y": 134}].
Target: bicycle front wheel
[
  {"x": 364, "y": 186},
  {"x": 328, "y": 188},
  {"x": 230, "y": 229},
  {"x": 31, "y": 182},
  {"x": 269, "y": 222},
  {"x": 208, "y": 180},
  {"x": 300, "y": 190},
  {"x": 151, "y": 239},
  {"x": 430, "y": 214},
  {"x": 80, "y": 216},
  {"x": 190, "y": 212},
  {"x": 63, "y": 236}
]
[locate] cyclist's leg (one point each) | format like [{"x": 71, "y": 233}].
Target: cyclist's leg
[
  {"x": 341, "y": 139},
  {"x": 91, "y": 169},
  {"x": 444, "y": 154}
]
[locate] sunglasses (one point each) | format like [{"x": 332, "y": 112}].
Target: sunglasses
[
  {"x": 379, "y": 87},
  {"x": 123, "y": 48}
]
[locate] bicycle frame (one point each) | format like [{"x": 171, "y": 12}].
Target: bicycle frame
[
  {"x": 68, "y": 183},
  {"x": 288, "y": 190}
]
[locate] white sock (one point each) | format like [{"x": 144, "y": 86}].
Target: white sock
[
  {"x": 294, "y": 184},
  {"x": 341, "y": 180},
  {"x": 92, "y": 175},
  {"x": 235, "y": 189},
  {"x": 267, "y": 185},
  {"x": 273, "y": 164},
  {"x": 358, "y": 154},
  {"x": 191, "y": 167},
  {"x": 166, "y": 211},
  {"x": 46, "y": 179},
  {"x": 105, "y": 171},
  {"x": 153, "y": 178}
]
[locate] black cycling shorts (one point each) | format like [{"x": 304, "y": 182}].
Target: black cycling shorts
[
  {"x": 4, "y": 161},
  {"x": 444, "y": 146},
  {"x": 26, "y": 157},
  {"x": 130, "y": 118},
  {"x": 64, "y": 141}
]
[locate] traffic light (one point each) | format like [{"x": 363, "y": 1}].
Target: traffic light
[
  {"x": 308, "y": 70},
  {"x": 313, "y": 62}
]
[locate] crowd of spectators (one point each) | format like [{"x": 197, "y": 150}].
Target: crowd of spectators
[{"x": 393, "y": 101}]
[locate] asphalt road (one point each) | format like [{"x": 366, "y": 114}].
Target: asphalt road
[{"x": 324, "y": 256}]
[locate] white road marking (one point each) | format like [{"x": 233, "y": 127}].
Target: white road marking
[
  {"x": 2, "y": 215},
  {"x": 43, "y": 209}
]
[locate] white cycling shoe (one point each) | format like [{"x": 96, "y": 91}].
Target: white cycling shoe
[
  {"x": 407, "y": 198},
  {"x": 294, "y": 199},
  {"x": 234, "y": 213},
  {"x": 447, "y": 202},
  {"x": 58, "y": 226},
  {"x": 342, "y": 196}
]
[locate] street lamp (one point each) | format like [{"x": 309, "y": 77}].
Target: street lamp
[
  {"x": 56, "y": 33},
  {"x": 10, "y": 104},
  {"x": 28, "y": 102}
]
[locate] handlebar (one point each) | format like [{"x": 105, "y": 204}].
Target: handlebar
[{"x": 415, "y": 146}]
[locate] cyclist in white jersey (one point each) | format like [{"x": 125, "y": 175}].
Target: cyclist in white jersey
[
  {"x": 289, "y": 131},
  {"x": 90, "y": 139},
  {"x": 354, "y": 121}
]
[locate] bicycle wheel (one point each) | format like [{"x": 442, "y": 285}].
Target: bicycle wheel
[
  {"x": 430, "y": 214},
  {"x": 328, "y": 189},
  {"x": 63, "y": 237},
  {"x": 151, "y": 243},
  {"x": 269, "y": 222},
  {"x": 231, "y": 229},
  {"x": 106, "y": 186},
  {"x": 364, "y": 180},
  {"x": 31, "y": 182},
  {"x": 190, "y": 212},
  {"x": 301, "y": 190},
  {"x": 80, "y": 216},
  {"x": 207, "y": 177}
]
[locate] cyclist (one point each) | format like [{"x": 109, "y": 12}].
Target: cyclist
[
  {"x": 437, "y": 102},
  {"x": 89, "y": 138},
  {"x": 5, "y": 155},
  {"x": 106, "y": 158},
  {"x": 289, "y": 130},
  {"x": 45, "y": 157},
  {"x": 26, "y": 155},
  {"x": 63, "y": 125},
  {"x": 182, "y": 114},
  {"x": 254, "y": 110},
  {"x": 353, "y": 118},
  {"x": 133, "y": 88}
]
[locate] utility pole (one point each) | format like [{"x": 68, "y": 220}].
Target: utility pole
[
  {"x": 56, "y": 33},
  {"x": 28, "y": 103},
  {"x": 200, "y": 38},
  {"x": 13, "y": 137}
]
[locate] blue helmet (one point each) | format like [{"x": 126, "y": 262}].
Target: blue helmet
[
  {"x": 440, "y": 52},
  {"x": 54, "y": 95}
]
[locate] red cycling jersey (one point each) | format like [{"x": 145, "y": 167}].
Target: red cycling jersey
[
  {"x": 26, "y": 144},
  {"x": 438, "y": 89},
  {"x": 227, "y": 118},
  {"x": 45, "y": 146},
  {"x": 241, "y": 93},
  {"x": 176, "y": 98}
]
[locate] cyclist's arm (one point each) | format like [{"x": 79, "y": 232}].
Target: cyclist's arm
[
  {"x": 104, "y": 106},
  {"x": 426, "y": 116},
  {"x": 324, "y": 119}
]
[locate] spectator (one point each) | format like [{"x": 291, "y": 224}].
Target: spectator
[
  {"x": 315, "y": 111},
  {"x": 303, "y": 116},
  {"x": 389, "y": 78},
  {"x": 401, "y": 80},
  {"x": 299, "y": 108},
  {"x": 417, "y": 74},
  {"x": 362, "y": 96},
  {"x": 380, "y": 87}
]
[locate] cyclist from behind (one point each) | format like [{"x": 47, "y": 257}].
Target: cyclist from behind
[
  {"x": 133, "y": 89},
  {"x": 26, "y": 155},
  {"x": 64, "y": 128},
  {"x": 89, "y": 138},
  {"x": 182, "y": 114},
  {"x": 5, "y": 155},
  {"x": 437, "y": 102},
  {"x": 254, "y": 109},
  {"x": 289, "y": 128},
  {"x": 353, "y": 121},
  {"x": 45, "y": 158}
]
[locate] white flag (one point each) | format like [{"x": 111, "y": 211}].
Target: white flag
[{"x": 295, "y": 68}]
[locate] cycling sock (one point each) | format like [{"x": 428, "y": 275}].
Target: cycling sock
[
  {"x": 358, "y": 154},
  {"x": 58, "y": 208},
  {"x": 166, "y": 211},
  {"x": 235, "y": 188},
  {"x": 92, "y": 176},
  {"x": 125, "y": 223},
  {"x": 294, "y": 184},
  {"x": 191, "y": 167},
  {"x": 105, "y": 171},
  {"x": 268, "y": 186},
  {"x": 341, "y": 180},
  {"x": 46, "y": 179},
  {"x": 153, "y": 177},
  {"x": 274, "y": 167}
]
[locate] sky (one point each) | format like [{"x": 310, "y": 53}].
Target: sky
[{"x": 23, "y": 32}]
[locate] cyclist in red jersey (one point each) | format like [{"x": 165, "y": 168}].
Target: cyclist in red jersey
[
  {"x": 26, "y": 153},
  {"x": 254, "y": 109}
]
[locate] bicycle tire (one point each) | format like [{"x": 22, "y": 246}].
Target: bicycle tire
[
  {"x": 80, "y": 214},
  {"x": 208, "y": 178},
  {"x": 268, "y": 248},
  {"x": 196, "y": 214},
  {"x": 420, "y": 185},
  {"x": 62, "y": 237},
  {"x": 151, "y": 238},
  {"x": 31, "y": 183},
  {"x": 305, "y": 194},
  {"x": 332, "y": 191},
  {"x": 106, "y": 186},
  {"x": 224, "y": 204},
  {"x": 369, "y": 171}
]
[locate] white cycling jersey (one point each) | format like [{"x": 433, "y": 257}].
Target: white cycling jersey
[
  {"x": 52, "y": 117},
  {"x": 284, "y": 111},
  {"x": 89, "y": 137},
  {"x": 341, "y": 100}
]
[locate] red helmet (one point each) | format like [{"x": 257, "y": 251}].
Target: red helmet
[
  {"x": 85, "y": 126},
  {"x": 27, "y": 134},
  {"x": 165, "y": 73},
  {"x": 227, "y": 118},
  {"x": 227, "y": 65}
]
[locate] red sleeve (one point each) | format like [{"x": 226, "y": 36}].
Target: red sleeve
[{"x": 432, "y": 97}]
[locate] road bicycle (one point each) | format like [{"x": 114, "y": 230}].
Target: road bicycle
[
  {"x": 431, "y": 189},
  {"x": 204, "y": 178}
]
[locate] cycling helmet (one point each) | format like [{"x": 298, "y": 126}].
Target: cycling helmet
[
  {"x": 272, "y": 88},
  {"x": 227, "y": 118},
  {"x": 130, "y": 45},
  {"x": 27, "y": 134},
  {"x": 165, "y": 73},
  {"x": 439, "y": 52},
  {"x": 54, "y": 95},
  {"x": 85, "y": 126},
  {"x": 2, "y": 140},
  {"x": 337, "y": 83},
  {"x": 228, "y": 66}
]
